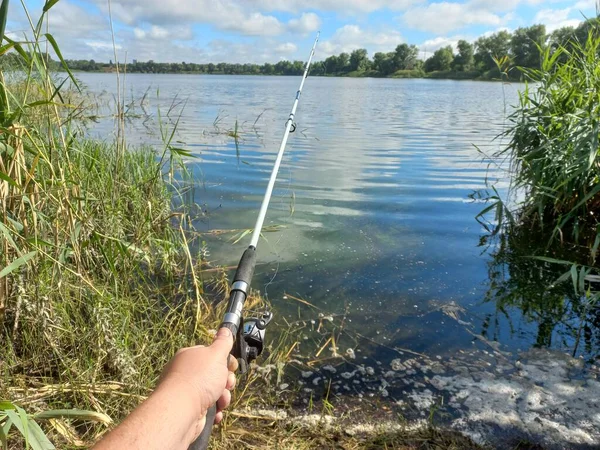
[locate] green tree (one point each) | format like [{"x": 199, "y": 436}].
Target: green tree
[
  {"x": 441, "y": 60},
  {"x": 331, "y": 64},
  {"x": 343, "y": 62},
  {"x": 562, "y": 37},
  {"x": 405, "y": 57},
  {"x": 525, "y": 46},
  {"x": 318, "y": 68},
  {"x": 464, "y": 60},
  {"x": 487, "y": 48},
  {"x": 384, "y": 63},
  {"x": 359, "y": 61}
]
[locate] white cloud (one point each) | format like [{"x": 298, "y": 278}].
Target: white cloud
[
  {"x": 431, "y": 45},
  {"x": 102, "y": 45},
  {"x": 444, "y": 17},
  {"x": 307, "y": 23},
  {"x": 340, "y": 6},
  {"x": 493, "y": 5},
  {"x": 351, "y": 37},
  {"x": 227, "y": 15},
  {"x": 255, "y": 24},
  {"x": 286, "y": 48},
  {"x": 566, "y": 17},
  {"x": 585, "y": 5},
  {"x": 156, "y": 32},
  {"x": 69, "y": 19},
  {"x": 555, "y": 19}
]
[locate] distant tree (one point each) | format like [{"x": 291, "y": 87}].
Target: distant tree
[
  {"x": 585, "y": 28},
  {"x": 378, "y": 61},
  {"x": 343, "y": 62},
  {"x": 562, "y": 37},
  {"x": 441, "y": 60},
  {"x": 384, "y": 63},
  {"x": 331, "y": 64},
  {"x": 284, "y": 68},
  {"x": 359, "y": 61},
  {"x": 405, "y": 57},
  {"x": 268, "y": 69},
  {"x": 489, "y": 47},
  {"x": 318, "y": 68},
  {"x": 525, "y": 46},
  {"x": 297, "y": 68},
  {"x": 464, "y": 60}
]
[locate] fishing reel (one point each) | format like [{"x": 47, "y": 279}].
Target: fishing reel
[{"x": 250, "y": 340}]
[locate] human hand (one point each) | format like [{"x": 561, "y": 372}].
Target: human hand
[{"x": 206, "y": 374}]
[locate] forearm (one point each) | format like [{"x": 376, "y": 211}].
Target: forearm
[{"x": 168, "y": 420}]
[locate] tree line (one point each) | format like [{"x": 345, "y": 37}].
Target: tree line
[{"x": 479, "y": 59}]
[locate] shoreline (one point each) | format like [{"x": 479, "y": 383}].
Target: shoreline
[
  {"x": 392, "y": 77},
  {"x": 542, "y": 399}
]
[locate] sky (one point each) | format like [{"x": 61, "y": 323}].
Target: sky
[{"x": 260, "y": 31}]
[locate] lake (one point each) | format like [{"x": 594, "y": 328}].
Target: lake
[{"x": 371, "y": 219}]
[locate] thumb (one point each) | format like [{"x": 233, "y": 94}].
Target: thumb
[{"x": 223, "y": 341}]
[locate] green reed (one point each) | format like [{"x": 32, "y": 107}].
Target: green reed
[
  {"x": 98, "y": 288},
  {"x": 554, "y": 145}
]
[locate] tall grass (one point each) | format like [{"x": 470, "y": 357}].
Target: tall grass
[
  {"x": 545, "y": 236},
  {"x": 554, "y": 147},
  {"x": 98, "y": 287}
]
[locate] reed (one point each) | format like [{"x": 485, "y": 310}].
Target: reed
[
  {"x": 553, "y": 153},
  {"x": 98, "y": 288},
  {"x": 554, "y": 148}
]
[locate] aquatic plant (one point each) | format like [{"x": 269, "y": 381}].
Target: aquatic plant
[{"x": 554, "y": 148}]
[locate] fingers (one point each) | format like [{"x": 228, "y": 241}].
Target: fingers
[
  {"x": 218, "y": 418},
  {"x": 230, "y": 381},
  {"x": 224, "y": 401},
  {"x": 232, "y": 364},
  {"x": 223, "y": 341}
]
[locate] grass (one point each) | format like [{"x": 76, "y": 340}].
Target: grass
[
  {"x": 98, "y": 287},
  {"x": 247, "y": 434},
  {"x": 553, "y": 154},
  {"x": 554, "y": 148}
]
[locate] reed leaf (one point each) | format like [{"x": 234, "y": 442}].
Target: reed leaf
[
  {"x": 3, "y": 18},
  {"x": 20, "y": 261}
]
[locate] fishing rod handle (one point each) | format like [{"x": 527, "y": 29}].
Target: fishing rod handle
[
  {"x": 232, "y": 321},
  {"x": 201, "y": 443}
]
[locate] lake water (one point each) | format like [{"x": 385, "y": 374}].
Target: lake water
[{"x": 372, "y": 209}]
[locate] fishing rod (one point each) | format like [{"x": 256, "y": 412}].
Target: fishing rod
[{"x": 249, "y": 334}]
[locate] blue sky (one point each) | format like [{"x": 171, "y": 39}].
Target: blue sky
[{"x": 271, "y": 30}]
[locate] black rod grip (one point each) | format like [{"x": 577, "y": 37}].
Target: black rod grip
[
  {"x": 201, "y": 443},
  {"x": 245, "y": 269}
]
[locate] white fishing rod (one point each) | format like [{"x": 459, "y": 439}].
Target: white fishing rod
[{"x": 249, "y": 334}]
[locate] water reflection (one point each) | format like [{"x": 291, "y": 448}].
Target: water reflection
[
  {"x": 371, "y": 200},
  {"x": 563, "y": 315}
]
